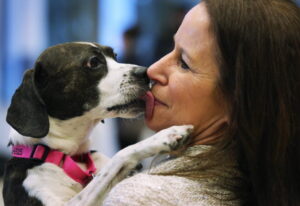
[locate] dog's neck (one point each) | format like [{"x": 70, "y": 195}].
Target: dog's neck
[{"x": 69, "y": 136}]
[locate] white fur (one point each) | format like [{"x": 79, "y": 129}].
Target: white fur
[
  {"x": 50, "y": 185},
  {"x": 116, "y": 86},
  {"x": 87, "y": 43},
  {"x": 69, "y": 136}
]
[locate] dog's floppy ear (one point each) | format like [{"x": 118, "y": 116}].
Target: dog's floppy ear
[{"x": 27, "y": 113}]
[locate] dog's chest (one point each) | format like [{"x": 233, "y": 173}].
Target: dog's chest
[{"x": 50, "y": 184}]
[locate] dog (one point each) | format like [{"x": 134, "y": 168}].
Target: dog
[{"x": 72, "y": 87}]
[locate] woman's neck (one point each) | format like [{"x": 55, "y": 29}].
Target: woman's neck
[{"x": 210, "y": 134}]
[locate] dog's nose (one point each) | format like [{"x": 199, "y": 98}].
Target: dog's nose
[{"x": 141, "y": 72}]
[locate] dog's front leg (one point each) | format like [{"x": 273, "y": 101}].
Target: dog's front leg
[{"x": 124, "y": 161}]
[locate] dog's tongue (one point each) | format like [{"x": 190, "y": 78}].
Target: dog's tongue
[{"x": 149, "y": 98}]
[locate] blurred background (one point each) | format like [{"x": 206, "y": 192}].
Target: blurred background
[{"x": 140, "y": 31}]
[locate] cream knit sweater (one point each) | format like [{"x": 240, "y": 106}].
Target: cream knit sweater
[{"x": 159, "y": 190}]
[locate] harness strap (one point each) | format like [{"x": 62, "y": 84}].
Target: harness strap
[{"x": 66, "y": 162}]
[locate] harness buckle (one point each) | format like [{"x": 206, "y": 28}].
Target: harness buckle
[{"x": 45, "y": 154}]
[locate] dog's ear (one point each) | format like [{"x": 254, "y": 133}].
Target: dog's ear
[{"x": 27, "y": 113}]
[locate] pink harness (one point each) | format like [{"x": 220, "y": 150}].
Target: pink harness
[{"x": 66, "y": 162}]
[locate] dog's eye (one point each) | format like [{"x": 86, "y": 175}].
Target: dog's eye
[{"x": 93, "y": 62}]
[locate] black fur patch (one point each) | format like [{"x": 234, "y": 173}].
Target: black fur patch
[
  {"x": 66, "y": 83},
  {"x": 14, "y": 193}
]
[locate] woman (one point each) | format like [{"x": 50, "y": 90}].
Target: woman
[{"x": 234, "y": 74}]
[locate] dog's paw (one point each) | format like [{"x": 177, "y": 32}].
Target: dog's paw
[{"x": 176, "y": 136}]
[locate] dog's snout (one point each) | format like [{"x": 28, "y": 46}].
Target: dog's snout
[{"x": 141, "y": 72}]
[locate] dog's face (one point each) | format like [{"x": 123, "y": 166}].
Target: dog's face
[{"x": 72, "y": 79}]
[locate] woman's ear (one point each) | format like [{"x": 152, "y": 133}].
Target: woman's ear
[{"x": 27, "y": 113}]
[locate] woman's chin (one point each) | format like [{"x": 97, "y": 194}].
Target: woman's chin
[
  {"x": 155, "y": 125},
  {"x": 151, "y": 125}
]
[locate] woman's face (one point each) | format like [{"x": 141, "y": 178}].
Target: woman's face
[{"x": 185, "y": 88}]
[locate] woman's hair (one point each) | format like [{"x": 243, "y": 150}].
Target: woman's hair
[{"x": 259, "y": 57}]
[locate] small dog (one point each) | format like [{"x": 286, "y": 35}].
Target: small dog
[{"x": 71, "y": 88}]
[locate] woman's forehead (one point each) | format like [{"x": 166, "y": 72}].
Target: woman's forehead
[{"x": 194, "y": 34}]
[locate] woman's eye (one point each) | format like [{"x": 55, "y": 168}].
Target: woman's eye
[
  {"x": 93, "y": 62},
  {"x": 184, "y": 64}
]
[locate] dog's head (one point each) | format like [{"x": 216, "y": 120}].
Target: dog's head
[{"x": 71, "y": 80}]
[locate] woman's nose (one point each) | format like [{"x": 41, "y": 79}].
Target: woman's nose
[{"x": 156, "y": 72}]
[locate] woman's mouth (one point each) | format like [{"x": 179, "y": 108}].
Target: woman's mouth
[{"x": 158, "y": 102}]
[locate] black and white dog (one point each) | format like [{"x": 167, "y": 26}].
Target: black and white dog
[{"x": 71, "y": 88}]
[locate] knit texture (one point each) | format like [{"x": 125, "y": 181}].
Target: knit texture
[{"x": 148, "y": 188}]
